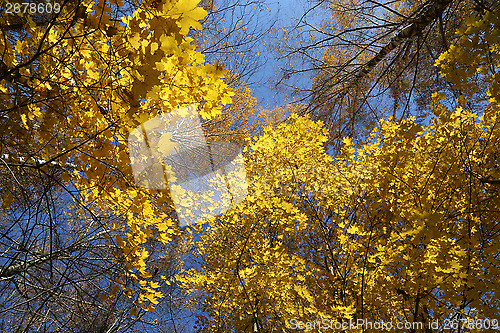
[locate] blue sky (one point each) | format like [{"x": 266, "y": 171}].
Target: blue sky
[
  {"x": 285, "y": 14},
  {"x": 284, "y": 11}
]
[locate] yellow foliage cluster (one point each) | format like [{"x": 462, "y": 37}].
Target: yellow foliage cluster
[
  {"x": 401, "y": 226},
  {"x": 80, "y": 84}
]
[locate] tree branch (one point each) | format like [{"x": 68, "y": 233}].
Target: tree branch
[{"x": 427, "y": 14}]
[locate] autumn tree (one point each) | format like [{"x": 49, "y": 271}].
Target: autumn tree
[
  {"x": 372, "y": 59},
  {"x": 235, "y": 34},
  {"x": 400, "y": 227},
  {"x": 81, "y": 242}
]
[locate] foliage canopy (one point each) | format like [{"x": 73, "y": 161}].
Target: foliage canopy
[{"x": 401, "y": 225}]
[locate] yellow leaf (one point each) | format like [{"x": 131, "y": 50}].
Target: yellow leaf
[
  {"x": 154, "y": 47},
  {"x": 168, "y": 43},
  {"x": 353, "y": 230},
  {"x": 135, "y": 41},
  {"x": 20, "y": 46},
  {"x": 133, "y": 312},
  {"x": 24, "y": 120},
  {"x": 116, "y": 289},
  {"x": 165, "y": 145},
  {"x": 152, "y": 298},
  {"x": 7, "y": 199}
]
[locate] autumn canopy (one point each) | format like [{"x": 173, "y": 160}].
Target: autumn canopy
[{"x": 374, "y": 197}]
